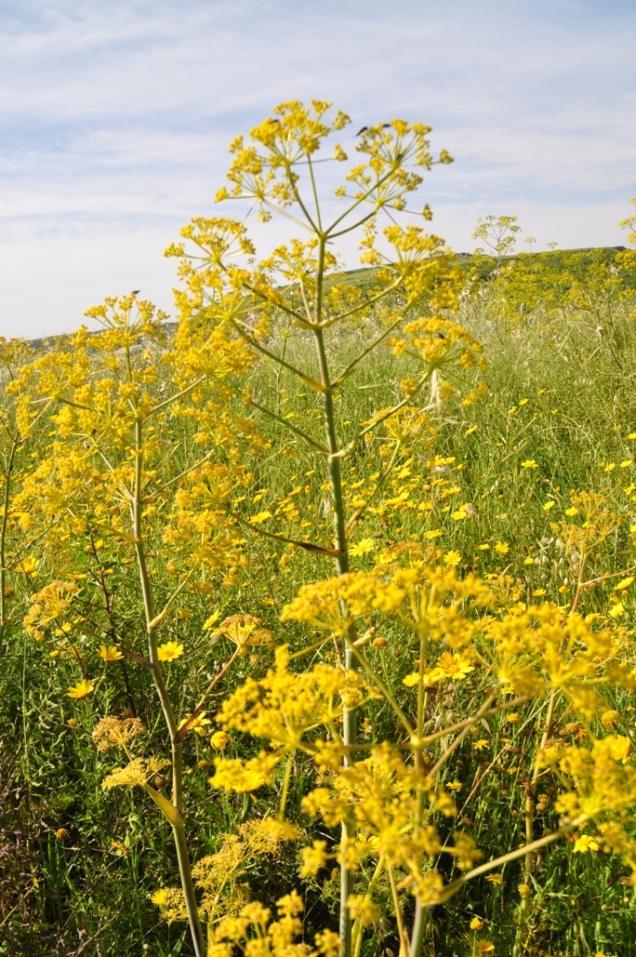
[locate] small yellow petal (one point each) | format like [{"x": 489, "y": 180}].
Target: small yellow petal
[{"x": 624, "y": 583}]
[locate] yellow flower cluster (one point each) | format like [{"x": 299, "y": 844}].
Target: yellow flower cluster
[
  {"x": 285, "y": 708},
  {"x": 116, "y": 732},
  {"x": 140, "y": 771},
  {"x": 383, "y": 796},
  {"x": 218, "y": 876},
  {"x": 253, "y": 933}
]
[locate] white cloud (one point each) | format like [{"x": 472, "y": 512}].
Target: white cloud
[{"x": 116, "y": 118}]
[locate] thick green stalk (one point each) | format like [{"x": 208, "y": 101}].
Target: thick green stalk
[
  {"x": 153, "y": 624},
  {"x": 349, "y": 731}
]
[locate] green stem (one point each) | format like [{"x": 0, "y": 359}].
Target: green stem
[
  {"x": 375, "y": 343},
  {"x": 404, "y": 940},
  {"x": 366, "y": 305},
  {"x": 313, "y": 445},
  {"x": 152, "y": 625},
  {"x": 285, "y": 791},
  {"x": 279, "y": 360},
  {"x": 3, "y": 535},
  {"x": 357, "y": 927},
  {"x": 314, "y": 190},
  {"x": 350, "y": 729},
  {"x": 400, "y": 405},
  {"x": 532, "y": 784},
  {"x": 421, "y": 915}
]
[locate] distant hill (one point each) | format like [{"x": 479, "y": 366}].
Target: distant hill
[{"x": 364, "y": 276}]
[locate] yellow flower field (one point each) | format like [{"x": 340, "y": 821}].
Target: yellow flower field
[{"x": 317, "y": 604}]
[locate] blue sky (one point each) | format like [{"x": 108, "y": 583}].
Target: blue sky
[{"x": 115, "y": 119}]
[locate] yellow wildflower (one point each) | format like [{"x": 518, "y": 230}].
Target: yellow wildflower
[
  {"x": 362, "y": 547},
  {"x": 172, "y": 903},
  {"x": 619, "y": 747},
  {"x": 169, "y": 651},
  {"x": 220, "y": 740},
  {"x": 245, "y": 631},
  {"x": 624, "y": 583},
  {"x": 29, "y": 565},
  {"x": 453, "y": 666},
  {"x": 81, "y": 690},
  {"x": 236, "y": 775},
  {"x": 211, "y": 621},
  {"x": 197, "y": 724},
  {"x": 109, "y": 653},
  {"x": 585, "y": 843}
]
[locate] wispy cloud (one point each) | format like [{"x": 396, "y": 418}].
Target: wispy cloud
[{"x": 115, "y": 121}]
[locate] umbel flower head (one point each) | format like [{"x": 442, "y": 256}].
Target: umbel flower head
[
  {"x": 116, "y": 732},
  {"x": 139, "y": 772}
]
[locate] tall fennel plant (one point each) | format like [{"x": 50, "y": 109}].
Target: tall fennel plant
[
  {"x": 408, "y": 306},
  {"x": 126, "y": 410}
]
